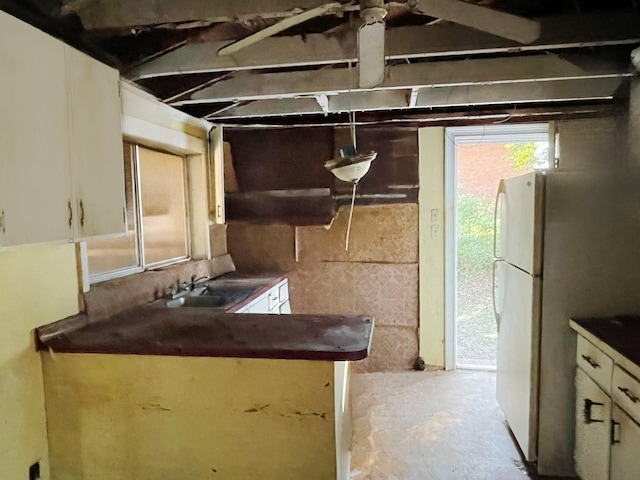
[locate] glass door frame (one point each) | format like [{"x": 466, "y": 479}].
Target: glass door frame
[{"x": 471, "y": 135}]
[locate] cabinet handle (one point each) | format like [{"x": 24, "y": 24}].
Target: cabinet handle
[
  {"x": 2, "y": 222},
  {"x": 629, "y": 395},
  {"x": 81, "y": 214},
  {"x": 70, "y": 212},
  {"x": 588, "y": 403},
  {"x": 591, "y": 361},
  {"x": 615, "y": 432}
]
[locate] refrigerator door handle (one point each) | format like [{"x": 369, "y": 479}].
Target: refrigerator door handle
[
  {"x": 501, "y": 191},
  {"x": 496, "y": 313}
]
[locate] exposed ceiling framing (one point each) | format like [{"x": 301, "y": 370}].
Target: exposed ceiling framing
[{"x": 437, "y": 65}]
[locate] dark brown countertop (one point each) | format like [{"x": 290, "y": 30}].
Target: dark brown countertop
[
  {"x": 151, "y": 329},
  {"x": 621, "y": 333},
  {"x": 210, "y": 333}
]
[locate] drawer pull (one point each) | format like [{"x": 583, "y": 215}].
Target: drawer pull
[
  {"x": 615, "y": 432},
  {"x": 588, "y": 403},
  {"x": 630, "y": 395},
  {"x": 591, "y": 361}
]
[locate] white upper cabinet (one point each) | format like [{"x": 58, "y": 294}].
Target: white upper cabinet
[
  {"x": 96, "y": 145},
  {"x": 35, "y": 180},
  {"x": 216, "y": 175},
  {"x": 61, "y": 165}
]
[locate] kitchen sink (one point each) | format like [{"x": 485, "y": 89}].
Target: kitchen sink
[{"x": 209, "y": 298}]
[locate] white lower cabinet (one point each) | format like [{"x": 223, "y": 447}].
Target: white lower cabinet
[
  {"x": 625, "y": 446},
  {"x": 607, "y": 441},
  {"x": 274, "y": 301},
  {"x": 593, "y": 429}
]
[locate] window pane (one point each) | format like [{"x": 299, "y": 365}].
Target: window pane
[
  {"x": 163, "y": 202},
  {"x": 117, "y": 253}
]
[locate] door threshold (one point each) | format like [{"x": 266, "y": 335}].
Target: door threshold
[{"x": 488, "y": 368}]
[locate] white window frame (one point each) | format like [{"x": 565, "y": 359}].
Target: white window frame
[
  {"x": 138, "y": 198},
  {"x": 142, "y": 264}
]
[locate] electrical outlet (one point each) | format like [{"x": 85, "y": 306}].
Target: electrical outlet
[
  {"x": 435, "y": 215},
  {"x": 34, "y": 471}
]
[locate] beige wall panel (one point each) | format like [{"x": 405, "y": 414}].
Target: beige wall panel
[
  {"x": 48, "y": 271},
  {"x": 432, "y": 251},
  {"x": 195, "y": 418}
]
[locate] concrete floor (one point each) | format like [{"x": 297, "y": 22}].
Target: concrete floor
[{"x": 431, "y": 426}]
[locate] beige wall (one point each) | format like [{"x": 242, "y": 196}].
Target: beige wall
[
  {"x": 432, "y": 252},
  {"x": 39, "y": 285},
  {"x": 132, "y": 417},
  {"x": 377, "y": 276}
]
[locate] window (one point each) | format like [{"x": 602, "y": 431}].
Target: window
[
  {"x": 163, "y": 205},
  {"x": 156, "y": 217}
]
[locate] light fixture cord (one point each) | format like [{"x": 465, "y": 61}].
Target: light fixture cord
[
  {"x": 353, "y": 200},
  {"x": 352, "y": 115}
]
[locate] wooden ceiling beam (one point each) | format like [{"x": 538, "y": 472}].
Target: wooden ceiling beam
[
  {"x": 450, "y": 117},
  {"x": 538, "y": 68},
  {"x": 427, "y": 41},
  {"x": 434, "y": 97}
]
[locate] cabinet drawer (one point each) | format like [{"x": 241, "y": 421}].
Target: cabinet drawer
[
  {"x": 283, "y": 291},
  {"x": 595, "y": 363},
  {"x": 273, "y": 298},
  {"x": 626, "y": 392}
]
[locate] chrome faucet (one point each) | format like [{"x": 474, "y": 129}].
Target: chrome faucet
[
  {"x": 183, "y": 288},
  {"x": 197, "y": 282}
]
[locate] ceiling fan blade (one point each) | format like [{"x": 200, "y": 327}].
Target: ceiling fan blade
[
  {"x": 371, "y": 55},
  {"x": 501, "y": 24},
  {"x": 281, "y": 26}
]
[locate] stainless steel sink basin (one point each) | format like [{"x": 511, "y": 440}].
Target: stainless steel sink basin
[{"x": 209, "y": 298}]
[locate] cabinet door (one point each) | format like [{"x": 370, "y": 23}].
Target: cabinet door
[
  {"x": 260, "y": 305},
  {"x": 625, "y": 448},
  {"x": 96, "y": 133},
  {"x": 35, "y": 180},
  {"x": 216, "y": 176},
  {"x": 285, "y": 308},
  {"x": 593, "y": 427}
]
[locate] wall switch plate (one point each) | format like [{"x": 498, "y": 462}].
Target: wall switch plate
[
  {"x": 435, "y": 231},
  {"x": 435, "y": 215}
]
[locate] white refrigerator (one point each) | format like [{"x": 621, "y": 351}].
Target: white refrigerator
[{"x": 567, "y": 245}]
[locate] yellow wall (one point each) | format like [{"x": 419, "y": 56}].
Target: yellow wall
[
  {"x": 151, "y": 417},
  {"x": 38, "y": 285},
  {"x": 432, "y": 252}
]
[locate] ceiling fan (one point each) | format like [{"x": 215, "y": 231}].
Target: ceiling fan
[{"x": 371, "y": 32}]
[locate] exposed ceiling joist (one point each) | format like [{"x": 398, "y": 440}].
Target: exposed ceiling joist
[
  {"x": 559, "y": 32},
  {"x": 413, "y": 119},
  {"x": 118, "y": 14},
  {"x": 435, "y": 97},
  {"x": 246, "y": 87}
]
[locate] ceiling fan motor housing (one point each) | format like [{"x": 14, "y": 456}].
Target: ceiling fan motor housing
[{"x": 372, "y": 11}]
